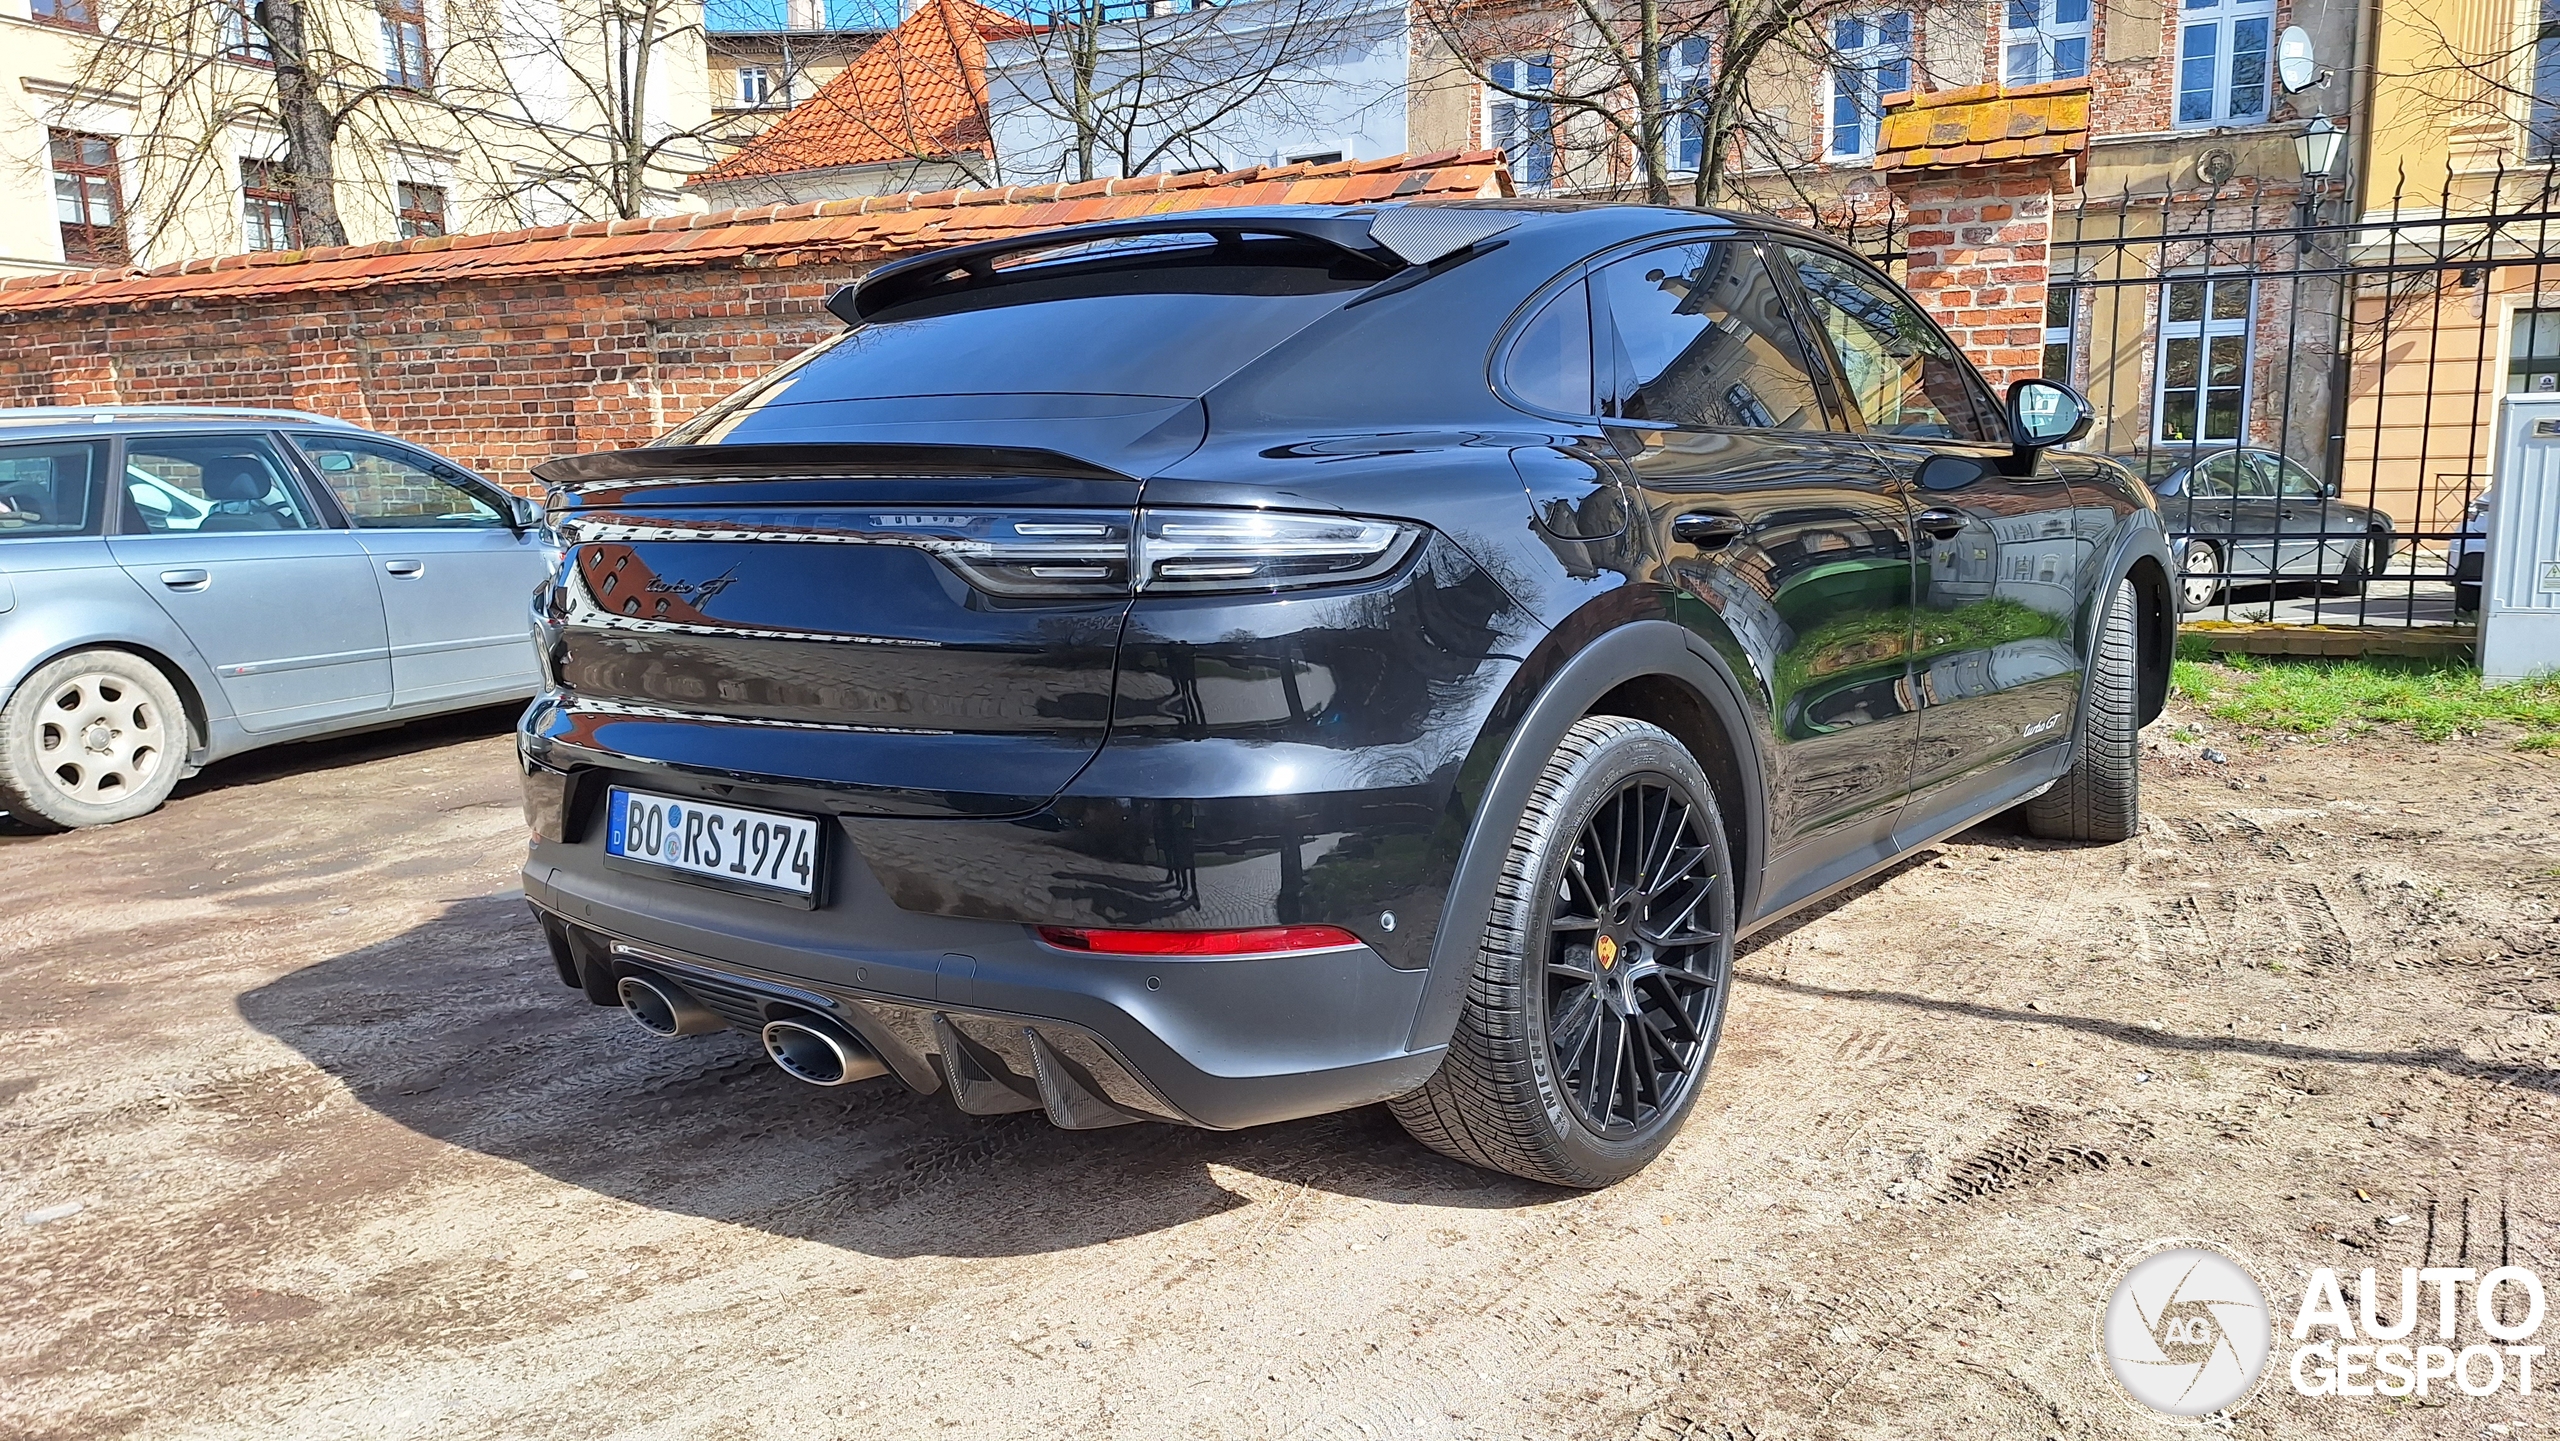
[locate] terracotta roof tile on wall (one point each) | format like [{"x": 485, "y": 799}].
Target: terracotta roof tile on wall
[
  {"x": 869, "y": 228},
  {"x": 919, "y": 93},
  {"x": 1984, "y": 125}
]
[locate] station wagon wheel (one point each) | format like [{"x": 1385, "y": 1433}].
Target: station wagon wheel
[
  {"x": 92, "y": 738},
  {"x": 1601, "y": 976},
  {"x": 2197, "y": 562}
]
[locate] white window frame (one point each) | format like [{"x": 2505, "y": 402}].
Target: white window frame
[
  {"x": 1532, "y": 120},
  {"x": 2048, "y": 45},
  {"x": 1683, "y": 70},
  {"x": 1867, "y": 66},
  {"x": 754, "y": 96},
  {"x": 2223, "y": 20},
  {"x": 2204, "y": 331},
  {"x": 2541, "y": 85},
  {"x": 2064, "y": 289}
]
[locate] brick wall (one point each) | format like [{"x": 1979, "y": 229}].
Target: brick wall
[
  {"x": 503, "y": 351},
  {"x": 500, "y": 377},
  {"x": 1979, "y": 247}
]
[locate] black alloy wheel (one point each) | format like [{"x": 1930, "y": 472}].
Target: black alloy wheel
[
  {"x": 1632, "y": 984},
  {"x": 1601, "y": 976}
]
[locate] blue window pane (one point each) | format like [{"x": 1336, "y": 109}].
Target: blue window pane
[
  {"x": 1536, "y": 161},
  {"x": 1844, "y": 114},
  {"x": 1693, "y": 137},
  {"x": 1693, "y": 52},
  {"x": 2202, "y": 4},
  {"x": 1542, "y": 77},
  {"x": 2071, "y": 12},
  {"x": 2018, "y": 64},
  {"x": 2070, "y": 57},
  {"x": 2249, "y": 66},
  {"x": 1849, "y": 34},
  {"x": 1895, "y": 27},
  {"x": 2196, "y": 50},
  {"x": 2542, "y": 142},
  {"x": 2022, "y": 14},
  {"x": 1894, "y": 78}
]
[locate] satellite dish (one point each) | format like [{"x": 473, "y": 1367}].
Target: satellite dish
[{"x": 2295, "y": 69}]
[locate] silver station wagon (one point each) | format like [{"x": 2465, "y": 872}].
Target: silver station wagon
[{"x": 179, "y": 585}]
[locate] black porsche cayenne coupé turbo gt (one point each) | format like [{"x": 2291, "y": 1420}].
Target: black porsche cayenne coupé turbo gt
[{"x": 1238, "y": 665}]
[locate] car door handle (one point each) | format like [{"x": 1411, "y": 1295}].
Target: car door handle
[
  {"x": 405, "y": 568},
  {"x": 1943, "y": 523},
  {"x": 1707, "y": 529},
  {"x": 186, "y": 579}
]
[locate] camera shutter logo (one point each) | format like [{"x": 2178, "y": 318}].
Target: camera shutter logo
[{"x": 2185, "y": 1331}]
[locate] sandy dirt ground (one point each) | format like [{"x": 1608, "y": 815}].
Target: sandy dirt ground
[{"x": 299, "y": 1136}]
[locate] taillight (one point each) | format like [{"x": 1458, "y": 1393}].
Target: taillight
[
  {"x": 1178, "y": 552},
  {"x": 1229, "y": 550},
  {"x": 1258, "y": 941}
]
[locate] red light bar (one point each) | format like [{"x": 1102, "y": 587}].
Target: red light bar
[{"x": 1260, "y": 941}]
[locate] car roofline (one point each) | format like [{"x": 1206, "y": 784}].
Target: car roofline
[{"x": 69, "y": 415}]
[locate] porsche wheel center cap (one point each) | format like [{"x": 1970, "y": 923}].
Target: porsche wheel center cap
[{"x": 1608, "y": 950}]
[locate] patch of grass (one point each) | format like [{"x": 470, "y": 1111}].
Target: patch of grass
[{"x": 2436, "y": 699}]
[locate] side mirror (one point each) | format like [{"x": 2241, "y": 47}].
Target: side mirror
[
  {"x": 2172, "y": 484},
  {"x": 2330, "y": 489},
  {"x": 2044, "y": 414},
  {"x": 524, "y": 514}
]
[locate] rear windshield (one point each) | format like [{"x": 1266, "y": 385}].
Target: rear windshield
[
  {"x": 1162, "y": 319},
  {"x": 51, "y": 488}
]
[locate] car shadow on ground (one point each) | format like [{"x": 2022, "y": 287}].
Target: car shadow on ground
[
  {"x": 326, "y": 754},
  {"x": 352, "y": 748},
  {"x": 460, "y": 1030}
]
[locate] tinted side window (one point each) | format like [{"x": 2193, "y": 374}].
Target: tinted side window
[
  {"x": 1903, "y": 376},
  {"x": 51, "y": 489},
  {"x": 2211, "y": 478},
  {"x": 1550, "y": 364},
  {"x": 191, "y": 484},
  {"x": 383, "y": 486},
  {"x": 1702, "y": 339}
]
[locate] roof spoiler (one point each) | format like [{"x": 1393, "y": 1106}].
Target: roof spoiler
[
  {"x": 812, "y": 459},
  {"x": 1415, "y": 235}
]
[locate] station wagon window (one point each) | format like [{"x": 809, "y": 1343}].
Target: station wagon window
[
  {"x": 50, "y": 489},
  {"x": 1904, "y": 376},
  {"x": 1550, "y": 365},
  {"x": 208, "y": 484},
  {"x": 384, "y": 487},
  {"x": 1701, "y": 339}
]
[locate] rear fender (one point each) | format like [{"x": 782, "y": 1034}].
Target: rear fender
[{"x": 1517, "y": 754}]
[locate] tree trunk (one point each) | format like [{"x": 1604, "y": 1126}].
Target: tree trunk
[
  {"x": 633, "y": 186},
  {"x": 1651, "y": 151},
  {"x": 310, "y": 127},
  {"x": 1086, "y": 60}
]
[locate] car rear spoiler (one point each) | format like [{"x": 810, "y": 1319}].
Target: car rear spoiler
[
  {"x": 1413, "y": 235},
  {"x": 817, "y": 460}
]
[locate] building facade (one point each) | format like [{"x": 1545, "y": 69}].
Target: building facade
[{"x": 143, "y": 132}]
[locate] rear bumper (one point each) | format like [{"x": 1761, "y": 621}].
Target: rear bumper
[{"x": 985, "y": 1011}]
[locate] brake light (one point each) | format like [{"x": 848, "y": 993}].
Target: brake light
[{"x": 1259, "y": 941}]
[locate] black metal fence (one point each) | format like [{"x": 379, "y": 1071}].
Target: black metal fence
[
  {"x": 2313, "y": 391},
  {"x": 2313, "y": 394}
]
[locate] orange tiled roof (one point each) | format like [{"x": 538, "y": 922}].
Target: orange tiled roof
[
  {"x": 1984, "y": 125},
  {"x": 918, "y": 93},
  {"x": 869, "y": 227}
]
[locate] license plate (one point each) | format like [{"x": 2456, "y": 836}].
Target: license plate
[{"x": 756, "y": 851}]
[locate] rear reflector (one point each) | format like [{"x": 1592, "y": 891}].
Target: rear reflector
[{"x": 1261, "y": 941}]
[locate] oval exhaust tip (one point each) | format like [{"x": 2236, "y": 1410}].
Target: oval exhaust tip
[
  {"x": 814, "y": 1051},
  {"x": 663, "y": 1009}
]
